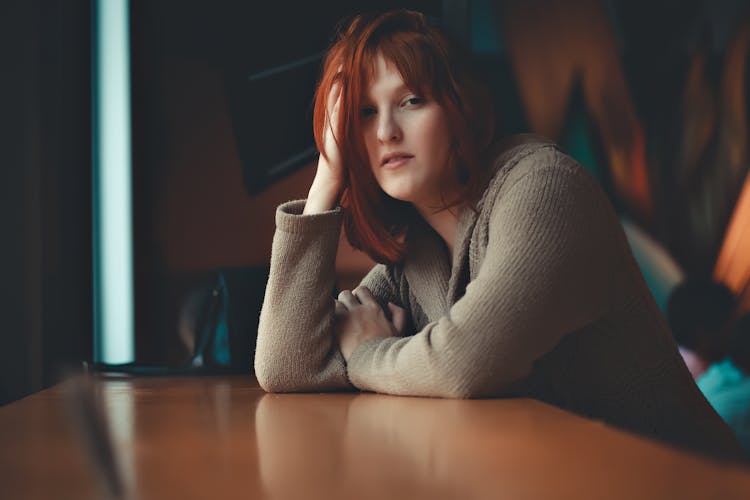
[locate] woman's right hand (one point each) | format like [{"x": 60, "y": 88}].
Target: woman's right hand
[
  {"x": 359, "y": 318},
  {"x": 329, "y": 178}
]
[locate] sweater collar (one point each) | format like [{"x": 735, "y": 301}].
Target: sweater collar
[
  {"x": 435, "y": 282},
  {"x": 427, "y": 269}
]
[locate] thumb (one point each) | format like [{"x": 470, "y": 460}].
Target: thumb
[{"x": 399, "y": 317}]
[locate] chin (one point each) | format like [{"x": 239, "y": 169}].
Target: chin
[
  {"x": 399, "y": 197},
  {"x": 400, "y": 194}
]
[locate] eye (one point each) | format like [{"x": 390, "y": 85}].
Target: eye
[
  {"x": 367, "y": 111},
  {"x": 413, "y": 101}
]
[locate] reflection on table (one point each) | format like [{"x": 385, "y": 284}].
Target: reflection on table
[{"x": 222, "y": 437}]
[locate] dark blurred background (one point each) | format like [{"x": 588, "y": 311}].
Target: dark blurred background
[{"x": 649, "y": 96}]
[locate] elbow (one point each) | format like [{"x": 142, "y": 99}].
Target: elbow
[
  {"x": 479, "y": 384},
  {"x": 271, "y": 370},
  {"x": 465, "y": 391},
  {"x": 272, "y": 384},
  {"x": 461, "y": 387},
  {"x": 267, "y": 382},
  {"x": 276, "y": 376},
  {"x": 270, "y": 379},
  {"x": 458, "y": 394}
]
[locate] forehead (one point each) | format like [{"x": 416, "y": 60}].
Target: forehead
[{"x": 384, "y": 79}]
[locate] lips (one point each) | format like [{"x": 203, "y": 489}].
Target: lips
[{"x": 393, "y": 160}]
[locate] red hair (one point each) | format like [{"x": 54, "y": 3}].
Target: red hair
[{"x": 429, "y": 64}]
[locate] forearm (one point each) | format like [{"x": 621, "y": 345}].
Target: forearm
[
  {"x": 325, "y": 191},
  {"x": 295, "y": 349}
]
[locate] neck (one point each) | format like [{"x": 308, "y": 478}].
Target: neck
[{"x": 445, "y": 223}]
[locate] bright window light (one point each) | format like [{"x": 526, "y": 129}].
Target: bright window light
[{"x": 112, "y": 199}]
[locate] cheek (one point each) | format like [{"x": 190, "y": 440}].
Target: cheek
[
  {"x": 373, "y": 156},
  {"x": 371, "y": 144},
  {"x": 437, "y": 136}
]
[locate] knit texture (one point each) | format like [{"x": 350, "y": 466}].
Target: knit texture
[{"x": 543, "y": 299}]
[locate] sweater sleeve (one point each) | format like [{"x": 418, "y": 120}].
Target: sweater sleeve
[
  {"x": 296, "y": 350},
  {"x": 546, "y": 272}
]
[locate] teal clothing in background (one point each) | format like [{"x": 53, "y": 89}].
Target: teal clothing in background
[{"x": 727, "y": 388}]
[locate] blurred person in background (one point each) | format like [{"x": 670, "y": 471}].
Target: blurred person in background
[
  {"x": 699, "y": 313},
  {"x": 726, "y": 384}
]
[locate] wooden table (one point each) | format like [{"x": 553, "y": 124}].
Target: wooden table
[{"x": 224, "y": 438}]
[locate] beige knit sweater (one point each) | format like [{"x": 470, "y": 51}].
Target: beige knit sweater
[{"x": 543, "y": 299}]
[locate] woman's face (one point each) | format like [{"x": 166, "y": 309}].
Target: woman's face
[{"x": 407, "y": 139}]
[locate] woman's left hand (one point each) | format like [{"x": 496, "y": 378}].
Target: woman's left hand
[{"x": 360, "y": 318}]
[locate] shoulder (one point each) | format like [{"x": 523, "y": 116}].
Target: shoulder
[
  {"x": 547, "y": 197},
  {"x": 534, "y": 159},
  {"x": 512, "y": 149}
]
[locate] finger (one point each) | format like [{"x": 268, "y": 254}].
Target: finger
[
  {"x": 334, "y": 98},
  {"x": 340, "y": 309},
  {"x": 333, "y": 125},
  {"x": 331, "y": 128},
  {"x": 398, "y": 316},
  {"x": 335, "y": 95},
  {"x": 364, "y": 295},
  {"x": 348, "y": 299}
]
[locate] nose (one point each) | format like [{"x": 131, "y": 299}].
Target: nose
[{"x": 388, "y": 128}]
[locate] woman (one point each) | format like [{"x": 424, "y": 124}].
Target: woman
[{"x": 503, "y": 270}]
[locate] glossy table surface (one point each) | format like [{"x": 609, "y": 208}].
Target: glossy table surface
[{"x": 223, "y": 438}]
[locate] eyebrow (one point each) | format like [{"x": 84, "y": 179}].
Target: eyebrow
[{"x": 401, "y": 88}]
